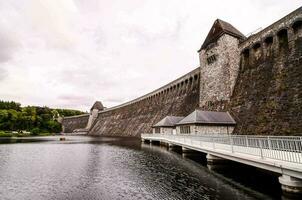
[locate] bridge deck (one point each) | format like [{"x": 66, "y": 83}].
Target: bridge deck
[{"x": 282, "y": 155}]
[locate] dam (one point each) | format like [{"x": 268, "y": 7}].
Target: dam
[{"x": 257, "y": 79}]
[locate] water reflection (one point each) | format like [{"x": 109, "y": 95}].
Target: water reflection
[{"x": 108, "y": 168}]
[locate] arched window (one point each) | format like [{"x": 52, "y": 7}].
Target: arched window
[
  {"x": 257, "y": 50},
  {"x": 268, "y": 41},
  {"x": 297, "y": 26},
  {"x": 283, "y": 38}
]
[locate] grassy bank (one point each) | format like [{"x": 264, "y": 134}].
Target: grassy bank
[{"x": 13, "y": 134}]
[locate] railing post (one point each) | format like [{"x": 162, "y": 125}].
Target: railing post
[
  {"x": 231, "y": 141},
  {"x": 269, "y": 143},
  {"x": 247, "y": 142},
  {"x": 261, "y": 153}
]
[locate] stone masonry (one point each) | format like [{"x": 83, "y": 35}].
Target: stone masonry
[
  {"x": 217, "y": 79},
  {"x": 178, "y": 98},
  {"x": 267, "y": 97},
  {"x": 72, "y": 123}
]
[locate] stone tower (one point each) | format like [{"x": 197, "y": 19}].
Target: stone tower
[
  {"x": 97, "y": 106},
  {"x": 219, "y": 64}
]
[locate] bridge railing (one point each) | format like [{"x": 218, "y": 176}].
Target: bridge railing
[{"x": 285, "y": 148}]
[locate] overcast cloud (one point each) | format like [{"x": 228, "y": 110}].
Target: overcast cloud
[{"x": 70, "y": 53}]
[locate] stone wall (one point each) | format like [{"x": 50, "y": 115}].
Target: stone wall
[
  {"x": 217, "y": 79},
  {"x": 267, "y": 97},
  {"x": 75, "y": 122},
  {"x": 207, "y": 129},
  {"x": 178, "y": 98},
  {"x": 165, "y": 130}
]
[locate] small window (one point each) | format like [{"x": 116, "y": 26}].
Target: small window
[
  {"x": 211, "y": 59},
  {"x": 185, "y": 129},
  {"x": 157, "y": 130}
]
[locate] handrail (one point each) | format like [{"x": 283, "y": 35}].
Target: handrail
[{"x": 285, "y": 148}]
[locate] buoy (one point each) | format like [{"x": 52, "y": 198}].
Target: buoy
[{"x": 62, "y": 139}]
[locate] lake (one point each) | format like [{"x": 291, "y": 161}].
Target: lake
[{"x": 119, "y": 168}]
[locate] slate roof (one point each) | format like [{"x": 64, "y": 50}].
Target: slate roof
[
  {"x": 219, "y": 28},
  {"x": 208, "y": 117},
  {"x": 169, "y": 121},
  {"x": 97, "y": 105}
]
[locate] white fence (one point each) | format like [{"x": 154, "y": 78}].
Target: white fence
[{"x": 285, "y": 148}]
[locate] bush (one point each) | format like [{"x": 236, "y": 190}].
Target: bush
[
  {"x": 35, "y": 131},
  {"x": 5, "y": 134}
]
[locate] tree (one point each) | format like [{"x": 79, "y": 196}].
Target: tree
[{"x": 31, "y": 118}]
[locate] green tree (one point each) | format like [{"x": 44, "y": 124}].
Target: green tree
[{"x": 31, "y": 118}]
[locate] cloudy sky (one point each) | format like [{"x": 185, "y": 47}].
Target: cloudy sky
[{"x": 70, "y": 53}]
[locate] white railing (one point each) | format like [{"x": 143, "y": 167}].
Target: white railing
[{"x": 285, "y": 148}]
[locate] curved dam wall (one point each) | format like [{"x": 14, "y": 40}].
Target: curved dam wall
[
  {"x": 179, "y": 98},
  {"x": 75, "y": 122},
  {"x": 267, "y": 98}
]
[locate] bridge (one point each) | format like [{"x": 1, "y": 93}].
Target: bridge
[{"x": 279, "y": 154}]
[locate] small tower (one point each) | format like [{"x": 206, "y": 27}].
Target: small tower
[
  {"x": 219, "y": 65},
  {"x": 97, "y": 106}
]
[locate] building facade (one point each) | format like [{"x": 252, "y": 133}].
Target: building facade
[
  {"x": 167, "y": 125},
  {"x": 206, "y": 123}
]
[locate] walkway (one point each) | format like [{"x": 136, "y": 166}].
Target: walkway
[{"x": 280, "y": 154}]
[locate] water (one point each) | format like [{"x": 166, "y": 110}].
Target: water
[{"x": 109, "y": 168}]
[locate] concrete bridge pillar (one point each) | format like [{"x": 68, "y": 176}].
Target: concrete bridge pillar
[{"x": 290, "y": 184}]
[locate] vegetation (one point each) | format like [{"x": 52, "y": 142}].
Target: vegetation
[{"x": 33, "y": 119}]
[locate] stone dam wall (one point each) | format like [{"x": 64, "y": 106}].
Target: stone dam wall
[
  {"x": 267, "y": 98},
  {"x": 262, "y": 88},
  {"x": 178, "y": 98},
  {"x": 75, "y": 122}
]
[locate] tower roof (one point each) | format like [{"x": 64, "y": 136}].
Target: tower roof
[
  {"x": 169, "y": 121},
  {"x": 208, "y": 117},
  {"x": 97, "y": 105},
  {"x": 219, "y": 28}
]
